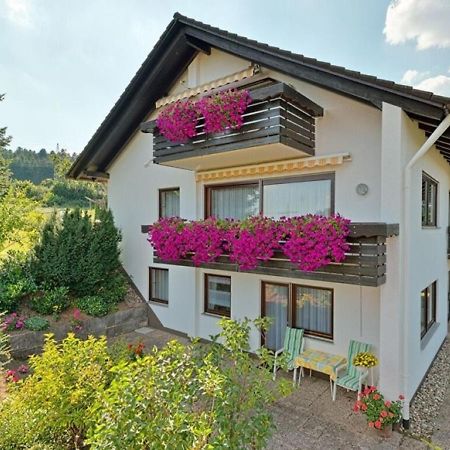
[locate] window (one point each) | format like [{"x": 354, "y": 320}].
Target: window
[
  {"x": 296, "y": 198},
  {"x": 311, "y": 194},
  {"x": 314, "y": 310},
  {"x": 218, "y": 295},
  {"x": 427, "y": 308},
  {"x": 159, "y": 285},
  {"x": 429, "y": 201},
  {"x": 298, "y": 306},
  {"x": 169, "y": 202},
  {"x": 233, "y": 201}
]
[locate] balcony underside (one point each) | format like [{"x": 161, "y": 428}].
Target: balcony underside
[
  {"x": 364, "y": 265},
  {"x": 278, "y": 124}
]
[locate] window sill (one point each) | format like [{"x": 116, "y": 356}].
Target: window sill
[
  {"x": 155, "y": 302},
  {"x": 215, "y": 315},
  {"x": 430, "y": 227},
  {"x": 429, "y": 335},
  {"x": 319, "y": 338}
]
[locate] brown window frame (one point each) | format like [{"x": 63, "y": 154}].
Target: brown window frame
[
  {"x": 162, "y": 191},
  {"x": 292, "y": 302},
  {"x": 428, "y": 179},
  {"x": 428, "y": 322},
  {"x": 155, "y": 299},
  {"x": 206, "y": 296},
  {"x": 261, "y": 182}
]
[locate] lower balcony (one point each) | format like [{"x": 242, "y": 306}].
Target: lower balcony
[{"x": 364, "y": 264}]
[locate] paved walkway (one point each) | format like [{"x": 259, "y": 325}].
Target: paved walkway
[
  {"x": 308, "y": 419},
  {"x": 441, "y": 435}
]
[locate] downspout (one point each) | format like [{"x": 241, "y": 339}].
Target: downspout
[{"x": 437, "y": 133}]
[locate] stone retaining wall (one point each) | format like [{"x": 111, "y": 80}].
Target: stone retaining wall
[{"x": 26, "y": 343}]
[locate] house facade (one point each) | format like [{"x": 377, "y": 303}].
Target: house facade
[{"x": 316, "y": 139}]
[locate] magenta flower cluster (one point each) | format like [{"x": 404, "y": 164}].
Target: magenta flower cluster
[
  {"x": 224, "y": 110},
  {"x": 13, "y": 322},
  {"x": 178, "y": 121},
  {"x": 310, "y": 241}
]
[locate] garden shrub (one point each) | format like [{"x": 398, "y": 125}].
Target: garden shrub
[
  {"x": 36, "y": 323},
  {"x": 4, "y": 346},
  {"x": 114, "y": 289},
  {"x": 95, "y": 305},
  {"x": 199, "y": 396},
  {"x": 49, "y": 408},
  {"x": 53, "y": 301},
  {"x": 15, "y": 281},
  {"x": 81, "y": 252}
]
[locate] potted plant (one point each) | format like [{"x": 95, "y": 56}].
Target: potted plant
[
  {"x": 364, "y": 361},
  {"x": 381, "y": 414}
]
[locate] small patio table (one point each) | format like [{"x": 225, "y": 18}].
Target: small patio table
[{"x": 319, "y": 361}]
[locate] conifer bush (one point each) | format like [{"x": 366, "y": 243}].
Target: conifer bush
[{"x": 81, "y": 252}]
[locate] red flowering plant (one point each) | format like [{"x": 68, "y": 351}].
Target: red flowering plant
[
  {"x": 379, "y": 412},
  {"x": 224, "y": 110},
  {"x": 136, "y": 350},
  {"x": 13, "y": 322},
  {"x": 309, "y": 241},
  {"x": 178, "y": 121}
]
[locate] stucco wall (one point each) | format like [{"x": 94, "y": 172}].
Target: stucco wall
[{"x": 347, "y": 126}]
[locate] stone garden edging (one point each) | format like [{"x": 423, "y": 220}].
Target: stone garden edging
[{"x": 26, "y": 343}]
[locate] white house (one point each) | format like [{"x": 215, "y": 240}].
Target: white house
[{"x": 371, "y": 150}]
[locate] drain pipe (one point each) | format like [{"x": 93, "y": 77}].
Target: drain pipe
[{"x": 407, "y": 226}]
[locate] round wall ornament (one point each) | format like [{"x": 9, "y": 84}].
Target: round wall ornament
[{"x": 362, "y": 189}]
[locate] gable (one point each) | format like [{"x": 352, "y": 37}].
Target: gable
[{"x": 185, "y": 39}]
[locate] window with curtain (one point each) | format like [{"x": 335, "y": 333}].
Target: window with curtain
[
  {"x": 159, "y": 285},
  {"x": 297, "y": 198},
  {"x": 169, "y": 202},
  {"x": 429, "y": 201},
  {"x": 311, "y": 194},
  {"x": 276, "y": 300},
  {"x": 218, "y": 295},
  {"x": 314, "y": 310},
  {"x": 233, "y": 202},
  {"x": 427, "y": 308}
]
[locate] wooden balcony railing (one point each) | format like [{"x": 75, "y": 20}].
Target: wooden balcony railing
[
  {"x": 277, "y": 115},
  {"x": 365, "y": 263}
]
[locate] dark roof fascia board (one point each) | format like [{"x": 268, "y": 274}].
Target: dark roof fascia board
[{"x": 337, "y": 82}]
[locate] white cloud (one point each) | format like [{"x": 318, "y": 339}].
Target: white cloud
[
  {"x": 17, "y": 11},
  {"x": 427, "y": 22},
  {"x": 439, "y": 84},
  {"x": 409, "y": 76}
]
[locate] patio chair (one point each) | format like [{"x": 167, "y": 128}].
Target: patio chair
[
  {"x": 353, "y": 378},
  {"x": 292, "y": 347}
]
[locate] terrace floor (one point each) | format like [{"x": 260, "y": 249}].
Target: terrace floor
[{"x": 308, "y": 419}]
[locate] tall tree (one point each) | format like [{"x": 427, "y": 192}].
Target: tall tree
[
  {"x": 5, "y": 172},
  {"x": 4, "y": 138}
]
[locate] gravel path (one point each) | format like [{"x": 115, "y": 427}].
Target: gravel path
[{"x": 426, "y": 407}]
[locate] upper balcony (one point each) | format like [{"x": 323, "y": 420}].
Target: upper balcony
[{"x": 278, "y": 124}]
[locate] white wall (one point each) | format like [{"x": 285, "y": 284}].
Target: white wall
[{"x": 378, "y": 152}]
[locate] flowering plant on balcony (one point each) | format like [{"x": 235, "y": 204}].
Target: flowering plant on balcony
[
  {"x": 224, "y": 110},
  {"x": 221, "y": 111},
  {"x": 379, "y": 412},
  {"x": 178, "y": 121},
  {"x": 310, "y": 241}
]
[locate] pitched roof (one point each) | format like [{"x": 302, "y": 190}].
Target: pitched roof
[{"x": 185, "y": 37}]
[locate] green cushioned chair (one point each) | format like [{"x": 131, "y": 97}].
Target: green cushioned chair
[
  {"x": 292, "y": 347},
  {"x": 353, "y": 378}
]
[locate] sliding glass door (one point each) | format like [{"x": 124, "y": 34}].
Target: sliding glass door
[{"x": 275, "y": 300}]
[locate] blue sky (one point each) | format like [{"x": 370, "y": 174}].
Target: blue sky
[{"x": 64, "y": 63}]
